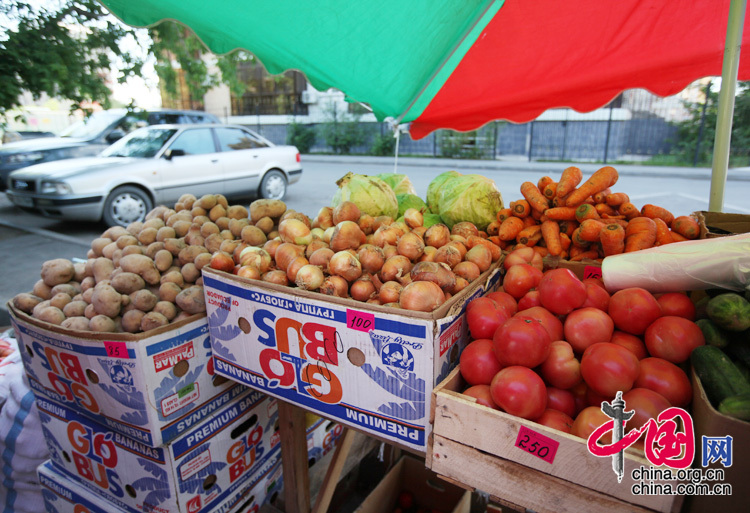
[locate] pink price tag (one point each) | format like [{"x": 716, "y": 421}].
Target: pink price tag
[
  {"x": 116, "y": 349},
  {"x": 360, "y": 321},
  {"x": 592, "y": 271},
  {"x": 543, "y": 447}
]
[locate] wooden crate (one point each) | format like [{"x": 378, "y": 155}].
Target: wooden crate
[{"x": 475, "y": 445}]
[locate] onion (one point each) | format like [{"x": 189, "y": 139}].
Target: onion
[
  {"x": 371, "y": 257},
  {"x": 437, "y": 235},
  {"x": 309, "y": 277},
  {"x": 294, "y": 266},
  {"x": 376, "y": 281},
  {"x": 387, "y": 235},
  {"x": 392, "y": 305},
  {"x": 481, "y": 256},
  {"x": 382, "y": 221},
  {"x": 278, "y": 277},
  {"x": 429, "y": 254},
  {"x": 321, "y": 257},
  {"x": 467, "y": 270},
  {"x": 449, "y": 255},
  {"x": 435, "y": 272},
  {"x": 422, "y": 296},
  {"x": 346, "y": 235},
  {"x": 286, "y": 252},
  {"x": 374, "y": 301},
  {"x": 465, "y": 229},
  {"x": 395, "y": 267},
  {"x": 324, "y": 219},
  {"x": 328, "y": 234},
  {"x": 461, "y": 284},
  {"x": 459, "y": 246},
  {"x": 315, "y": 245},
  {"x": 295, "y": 231},
  {"x": 249, "y": 271},
  {"x": 366, "y": 224},
  {"x": 389, "y": 251},
  {"x": 271, "y": 246},
  {"x": 238, "y": 251},
  {"x": 346, "y": 211},
  {"x": 346, "y": 265},
  {"x": 459, "y": 238},
  {"x": 257, "y": 257},
  {"x": 362, "y": 289},
  {"x": 299, "y": 216},
  {"x": 335, "y": 286},
  {"x": 318, "y": 233},
  {"x": 413, "y": 218},
  {"x": 419, "y": 230},
  {"x": 390, "y": 292},
  {"x": 411, "y": 246}
]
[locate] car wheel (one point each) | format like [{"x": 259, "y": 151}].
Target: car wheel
[
  {"x": 126, "y": 205},
  {"x": 273, "y": 186}
]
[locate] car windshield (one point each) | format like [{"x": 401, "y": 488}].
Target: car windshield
[
  {"x": 143, "y": 143},
  {"x": 92, "y": 126}
]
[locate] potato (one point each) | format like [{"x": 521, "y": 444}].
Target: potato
[
  {"x": 131, "y": 320},
  {"x": 191, "y": 300},
  {"x": 153, "y": 320},
  {"x": 144, "y": 300},
  {"x": 51, "y": 314},
  {"x": 60, "y": 299},
  {"x": 190, "y": 273},
  {"x": 78, "y": 323},
  {"x": 166, "y": 308},
  {"x": 237, "y": 212},
  {"x": 174, "y": 246},
  {"x": 181, "y": 316},
  {"x": 266, "y": 208},
  {"x": 131, "y": 250},
  {"x": 154, "y": 222},
  {"x": 117, "y": 255},
  {"x": 39, "y": 307},
  {"x": 59, "y": 270},
  {"x": 163, "y": 260},
  {"x": 168, "y": 291},
  {"x": 194, "y": 238},
  {"x": 200, "y": 220},
  {"x": 109, "y": 250},
  {"x": 174, "y": 276},
  {"x": 154, "y": 248},
  {"x": 142, "y": 266},
  {"x": 127, "y": 240},
  {"x": 88, "y": 294},
  {"x": 71, "y": 288},
  {"x": 42, "y": 290},
  {"x": 106, "y": 301},
  {"x": 89, "y": 312},
  {"x": 209, "y": 229},
  {"x": 147, "y": 236},
  {"x": 179, "y": 216},
  {"x": 206, "y": 202},
  {"x": 156, "y": 213},
  {"x": 265, "y": 224},
  {"x": 78, "y": 297},
  {"x": 187, "y": 200},
  {"x": 103, "y": 268},
  {"x": 75, "y": 308},
  {"x": 127, "y": 283},
  {"x": 26, "y": 302},
  {"x": 80, "y": 269},
  {"x": 164, "y": 233},
  {"x": 134, "y": 228},
  {"x": 227, "y": 246},
  {"x": 114, "y": 232},
  {"x": 90, "y": 254},
  {"x": 102, "y": 323},
  {"x": 236, "y": 226},
  {"x": 87, "y": 283},
  {"x": 213, "y": 243},
  {"x": 188, "y": 254},
  {"x": 223, "y": 223},
  {"x": 99, "y": 244},
  {"x": 253, "y": 236}
]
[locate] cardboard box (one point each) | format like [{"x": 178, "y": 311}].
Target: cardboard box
[
  {"x": 368, "y": 366},
  {"x": 206, "y": 469},
  {"x": 321, "y": 438},
  {"x": 430, "y": 493},
  {"x": 476, "y": 445},
  {"x": 138, "y": 385},
  {"x": 719, "y": 224}
]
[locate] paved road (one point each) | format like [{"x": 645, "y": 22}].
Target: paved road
[{"x": 26, "y": 241}]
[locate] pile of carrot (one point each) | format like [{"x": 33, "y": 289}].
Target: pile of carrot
[{"x": 577, "y": 221}]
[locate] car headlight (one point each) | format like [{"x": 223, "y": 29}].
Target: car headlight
[
  {"x": 55, "y": 188},
  {"x": 23, "y": 158}
]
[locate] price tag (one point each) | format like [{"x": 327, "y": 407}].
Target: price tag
[
  {"x": 543, "y": 447},
  {"x": 592, "y": 271},
  {"x": 360, "y": 321},
  {"x": 116, "y": 349}
]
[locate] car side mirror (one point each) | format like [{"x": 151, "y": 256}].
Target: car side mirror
[
  {"x": 169, "y": 154},
  {"x": 115, "y": 135}
]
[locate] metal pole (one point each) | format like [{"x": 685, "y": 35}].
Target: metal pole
[
  {"x": 701, "y": 127},
  {"x": 726, "y": 104},
  {"x": 606, "y": 140},
  {"x": 531, "y": 138},
  {"x": 494, "y": 144}
]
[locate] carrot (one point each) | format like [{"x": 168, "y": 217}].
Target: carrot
[
  {"x": 640, "y": 234},
  {"x": 686, "y": 226},
  {"x": 616, "y": 220},
  {"x": 589, "y": 230},
  {"x": 529, "y": 221},
  {"x": 601, "y": 196},
  {"x": 569, "y": 180},
  {"x": 612, "y": 238},
  {"x": 591, "y": 254},
  {"x": 564, "y": 242},
  {"x": 535, "y": 214},
  {"x": 577, "y": 240},
  {"x": 677, "y": 237},
  {"x": 662, "y": 232},
  {"x": 550, "y": 190},
  {"x": 600, "y": 180},
  {"x": 586, "y": 211},
  {"x": 603, "y": 208},
  {"x": 530, "y": 235},
  {"x": 495, "y": 251},
  {"x": 493, "y": 228},
  {"x": 509, "y": 228},
  {"x": 629, "y": 210},
  {"x": 559, "y": 201},
  {"x": 575, "y": 251},
  {"x": 503, "y": 214},
  {"x": 497, "y": 242},
  {"x": 561, "y": 213},
  {"x": 654, "y": 212},
  {"x": 568, "y": 227},
  {"x": 617, "y": 199},
  {"x": 551, "y": 235},
  {"x": 483, "y": 234},
  {"x": 533, "y": 195},
  {"x": 543, "y": 182},
  {"x": 520, "y": 208}
]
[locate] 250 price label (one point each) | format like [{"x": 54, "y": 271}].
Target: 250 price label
[{"x": 543, "y": 447}]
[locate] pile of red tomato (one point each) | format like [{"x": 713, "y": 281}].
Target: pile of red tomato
[{"x": 550, "y": 348}]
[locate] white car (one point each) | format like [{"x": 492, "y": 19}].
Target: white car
[{"x": 156, "y": 165}]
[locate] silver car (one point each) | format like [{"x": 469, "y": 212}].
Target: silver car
[{"x": 156, "y": 165}]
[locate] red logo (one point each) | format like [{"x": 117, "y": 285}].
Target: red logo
[
  {"x": 169, "y": 359},
  {"x": 194, "y": 505}
]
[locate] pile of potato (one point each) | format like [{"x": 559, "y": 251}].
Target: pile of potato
[{"x": 149, "y": 274}]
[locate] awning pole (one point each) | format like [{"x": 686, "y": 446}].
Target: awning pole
[{"x": 729, "y": 71}]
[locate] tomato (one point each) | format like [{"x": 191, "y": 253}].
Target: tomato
[
  {"x": 630, "y": 342},
  {"x": 596, "y": 297},
  {"x": 678, "y": 304},
  {"x": 665, "y": 378},
  {"x": 505, "y": 300},
  {"x": 561, "y": 291},
  {"x": 561, "y": 400},
  {"x": 587, "y": 421},
  {"x": 608, "y": 368},
  {"x": 520, "y": 279},
  {"x": 579, "y": 394},
  {"x": 531, "y": 298},
  {"x": 519, "y": 391},
  {"x": 633, "y": 310},
  {"x": 594, "y": 399},
  {"x": 482, "y": 394},
  {"x": 521, "y": 341},
  {"x": 673, "y": 338},
  {"x": 478, "y": 364},
  {"x": 587, "y": 326},
  {"x": 646, "y": 403},
  {"x": 595, "y": 281},
  {"x": 561, "y": 369},
  {"x": 552, "y": 324},
  {"x": 556, "y": 420},
  {"x": 484, "y": 316},
  {"x": 525, "y": 255}
]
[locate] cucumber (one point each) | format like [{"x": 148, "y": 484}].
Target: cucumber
[
  {"x": 739, "y": 350},
  {"x": 714, "y": 335},
  {"x": 720, "y": 377},
  {"x": 744, "y": 369},
  {"x": 729, "y": 311},
  {"x": 737, "y": 406}
]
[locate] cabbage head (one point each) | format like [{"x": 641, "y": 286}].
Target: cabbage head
[
  {"x": 433, "y": 190},
  {"x": 407, "y": 201},
  {"x": 472, "y": 198},
  {"x": 399, "y": 183},
  {"x": 371, "y": 194},
  {"x": 430, "y": 219}
]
